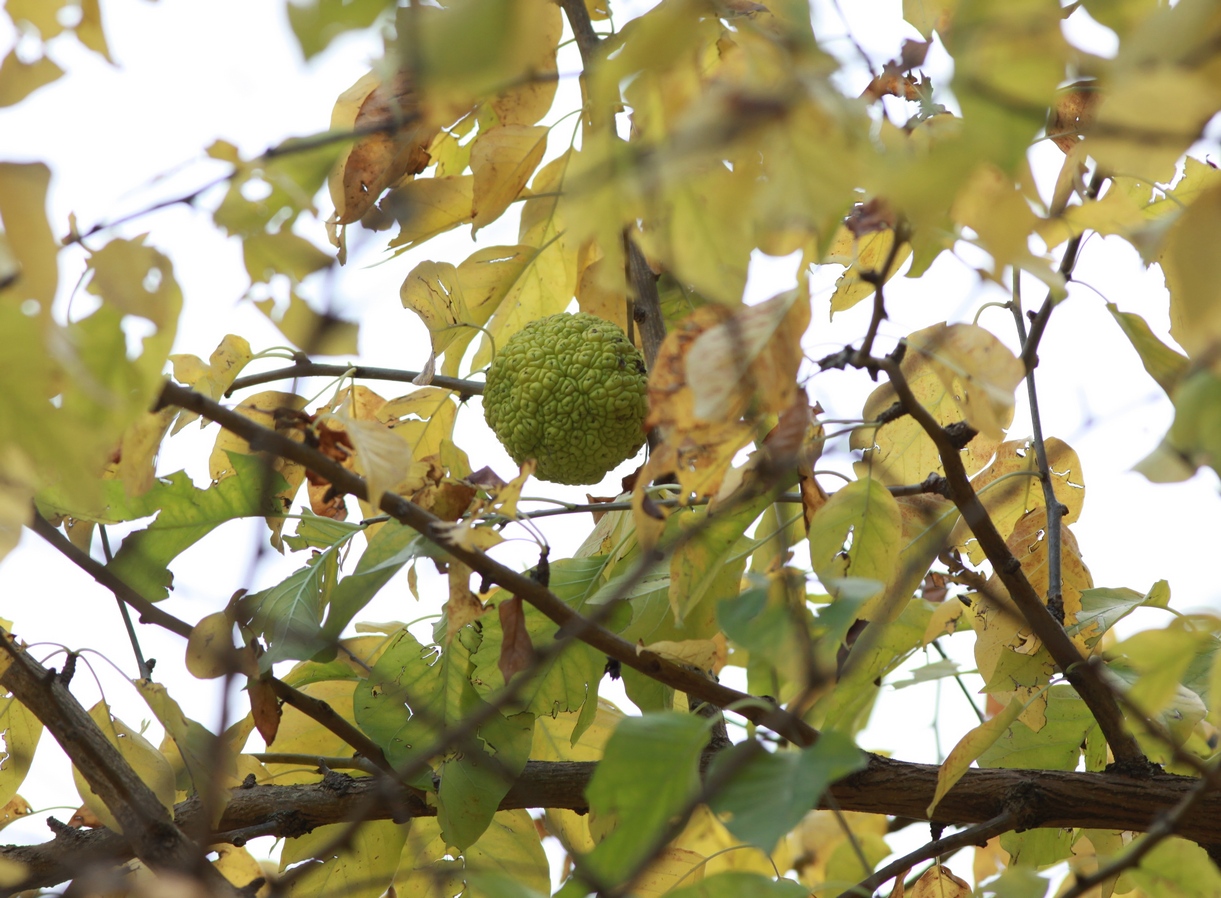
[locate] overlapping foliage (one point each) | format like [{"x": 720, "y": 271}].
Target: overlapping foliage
[{"x": 710, "y": 130}]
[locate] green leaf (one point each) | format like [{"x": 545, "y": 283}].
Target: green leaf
[
  {"x": 411, "y": 695},
  {"x": 698, "y": 567},
  {"x": 1179, "y": 868},
  {"x": 1104, "y": 607},
  {"x": 647, "y": 775},
  {"x": 1165, "y": 365},
  {"x": 1057, "y": 746},
  {"x": 389, "y": 549},
  {"x": 864, "y": 516},
  {"x": 473, "y": 783},
  {"x": 317, "y": 532},
  {"x": 318, "y": 22},
  {"x": 185, "y": 515},
  {"x": 1038, "y": 848},
  {"x": 738, "y": 884},
  {"x": 773, "y": 791},
  {"x": 564, "y": 683},
  {"x": 289, "y": 615},
  {"x": 284, "y": 252}
]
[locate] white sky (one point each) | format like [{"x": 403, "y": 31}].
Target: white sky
[{"x": 120, "y": 139}]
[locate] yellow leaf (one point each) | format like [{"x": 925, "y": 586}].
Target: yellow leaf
[
  {"x": 423, "y": 419},
  {"x": 23, "y": 210},
  {"x": 982, "y": 367},
  {"x": 929, "y": 15},
  {"x": 383, "y": 458},
  {"x": 970, "y": 747},
  {"x": 1193, "y": 276},
  {"x": 867, "y": 253},
  {"x": 991, "y": 205},
  {"x": 147, "y": 763},
  {"x": 1009, "y": 488},
  {"x": 210, "y": 650},
  {"x": 20, "y": 730},
  {"x": 463, "y": 606},
  {"x": 265, "y": 409},
  {"x": 502, "y": 160},
  {"x": 16, "y": 808},
  {"x": 706, "y": 654},
  {"x": 526, "y": 103},
  {"x": 548, "y": 276},
  {"x": 299, "y": 734},
  {"x": 375, "y": 161},
  {"x": 20, "y": 79},
  {"x": 900, "y": 452},
  {"x": 762, "y": 341},
  {"x": 939, "y": 882},
  {"x": 426, "y": 207}
]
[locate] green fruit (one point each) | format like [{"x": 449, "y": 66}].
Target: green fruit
[{"x": 569, "y": 392}]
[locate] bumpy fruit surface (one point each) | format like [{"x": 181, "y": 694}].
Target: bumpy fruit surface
[{"x": 568, "y": 391}]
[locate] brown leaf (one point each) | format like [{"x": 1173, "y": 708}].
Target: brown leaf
[
  {"x": 377, "y": 160},
  {"x": 1074, "y": 112},
  {"x": 264, "y": 708},
  {"x": 516, "y": 651}
]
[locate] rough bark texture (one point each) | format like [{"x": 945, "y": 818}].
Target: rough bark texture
[{"x": 1039, "y": 798}]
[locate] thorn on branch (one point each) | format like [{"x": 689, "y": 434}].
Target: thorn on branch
[
  {"x": 960, "y": 433},
  {"x": 840, "y": 360}
]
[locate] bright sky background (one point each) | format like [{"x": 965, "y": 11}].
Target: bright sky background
[{"x": 121, "y": 139}]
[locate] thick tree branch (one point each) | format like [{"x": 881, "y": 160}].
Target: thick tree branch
[
  {"x": 685, "y": 679},
  {"x": 464, "y": 388},
  {"x": 1042, "y": 798},
  {"x": 146, "y": 823},
  {"x": 1089, "y": 685}
]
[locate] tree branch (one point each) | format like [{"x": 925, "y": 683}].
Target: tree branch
[
  {"x": 685, "y": 679},
  {"x": 972, "y": 835},
  {"x": 464, "y": 388},
  {"x": 1089, "y": 685},
  {"x": 1044, "y": 798},
  {"x": 149, "y": 613},
  {"x": 643, "y": 283},
  {"x": 146, "y": 823}
]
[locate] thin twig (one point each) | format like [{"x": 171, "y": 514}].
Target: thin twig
[
  {"x": 1053, "y": 508},
  {"x": 1038, "y": 321},
  {"x": 464, "y": 388},
  {"x": 146, "y": 672},
  {"x": 972, "y": 835},
  {"x": 149, "y": 613}
]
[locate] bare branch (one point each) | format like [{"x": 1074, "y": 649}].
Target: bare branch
[
  {"x": 149, "y": 613},
  {"x": 973, "y": 835},
  {"x": 305, "y": 368}
]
